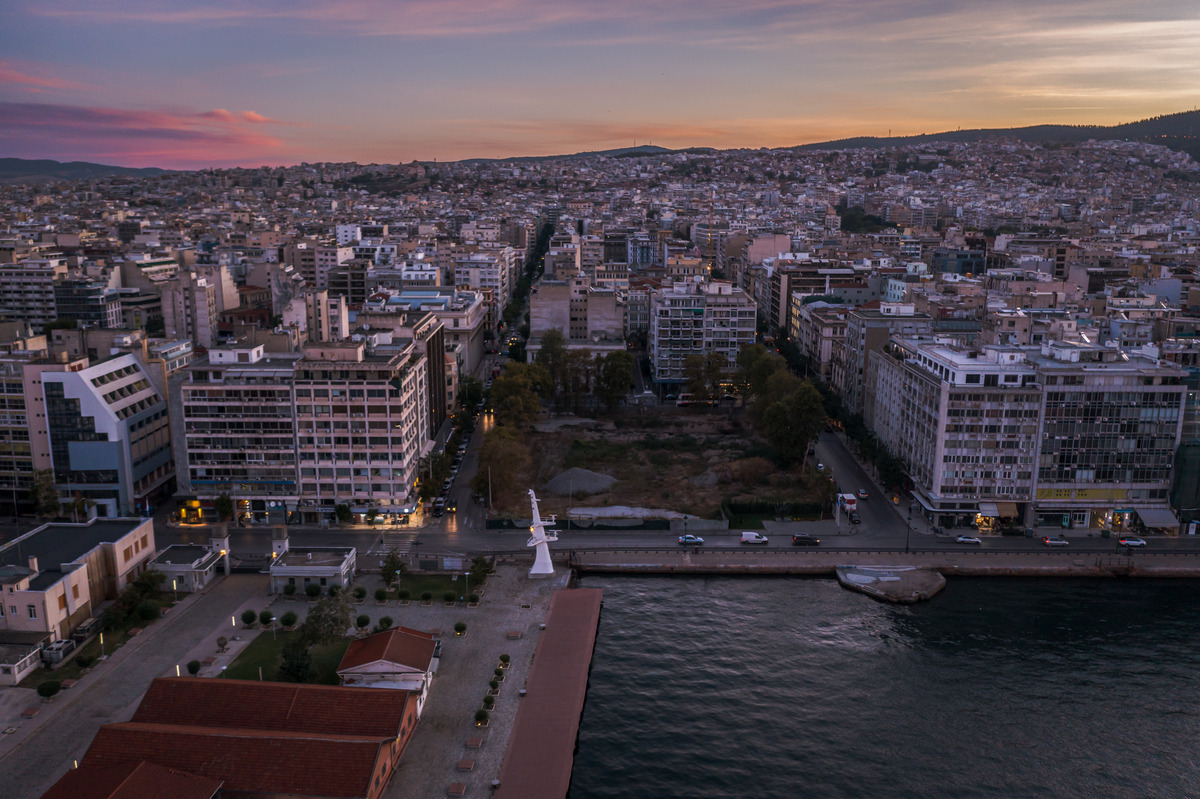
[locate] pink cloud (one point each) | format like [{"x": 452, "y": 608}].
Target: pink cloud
[
  {"x": 11, "y": 73},
  {"x": 163, "y": 138},
  {"x": 259, "y": 119}
]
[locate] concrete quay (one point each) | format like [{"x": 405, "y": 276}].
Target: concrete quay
[
  {"x": 950, "y": 563},
  {"x": 902, "y": 585}
]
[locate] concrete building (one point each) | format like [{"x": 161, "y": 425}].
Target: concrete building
[
  {"x": 91, "y": 303},
  {"x": 320, "y": 566},
  {"x": 867, "y": 330},
  {"x": 190, "y": 309},
  {"x": 589, "y": 318},
  {"x": 697, "y": 319},
  {"x": 27, "y": 290}
]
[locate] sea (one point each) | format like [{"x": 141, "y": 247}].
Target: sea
[{"x": 794, "y": 687}]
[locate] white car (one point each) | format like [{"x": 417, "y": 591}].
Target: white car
[
  {"x": 968, "y": 539},
  {"x": 820, "y": 467},
  {"x": 1133, "y": 542},
  {"x": 1055, "y": 542},
  {"x": 754, "y": 538}
]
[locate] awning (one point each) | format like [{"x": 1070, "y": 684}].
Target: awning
[
  {"x": 1007, "y": 510},
  {"x": 989, "y": 509},
  {"x": 1157, "y": 517}
]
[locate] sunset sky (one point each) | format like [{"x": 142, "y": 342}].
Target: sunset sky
[{"x": 252, "y": 82}]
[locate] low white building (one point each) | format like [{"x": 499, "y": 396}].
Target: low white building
[{"x": 321, "y": 566}]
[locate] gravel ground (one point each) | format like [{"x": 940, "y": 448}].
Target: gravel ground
[{"x": 579, "y": 482}]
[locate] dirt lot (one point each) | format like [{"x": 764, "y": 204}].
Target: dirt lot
[{"x": 686, "y": 460}]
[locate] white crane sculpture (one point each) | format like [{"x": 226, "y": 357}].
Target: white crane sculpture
[{"x": 542, "y": 566}]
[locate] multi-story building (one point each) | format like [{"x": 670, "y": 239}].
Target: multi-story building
[
  {"x": 589, "y": 318},
  {"x": 492, "y": 272},
  {"x": 190, "y": 309},
  {"x": 109, "y": 436},
  {"x": 239, "y": 431},
  {"x": 868, "y": 328},
  {"x": 697, "y": 319},
  {"x": 27, "y": 290},
  {"x": 91, "y": 303},
  {"x": 360, "y": 419},
  {"x": 817, "y": 328},
  {"x": 1065, "y": 434}
]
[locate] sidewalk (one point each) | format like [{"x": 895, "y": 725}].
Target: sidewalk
[{"x": 43, "y": 748}]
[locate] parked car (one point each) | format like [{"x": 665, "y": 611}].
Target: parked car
[
  {"x": 862, "y": 493},
  {"x": 1129, "y": 541},
  {"x": 820, "y": 467},
  {"x": 439, "y": 506},
  {"x": 754, "y": 538},
  {"x": 690, "y": 539},
  {"x": 805, "y": 540},
  {"x": 855, "y": 518},
  {"x": 968, "y": 539},
  {"x": 1055, "y": 542}
]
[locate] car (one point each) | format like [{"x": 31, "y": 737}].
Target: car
[
  {"x": 805, "y": 540},
  {"x": 1054, "y": 542},
  {"x": 968, "y": 539},
  {"x": 855, "y": 518},
  {"x": 1133, "y": 542},
  {"x": 862, "y": 493},
  {"x": 820, "y": 467},
  {"x": 451, "y": 506},
  {"x": 691, "y": 539},
  {"x": 754, "y": 538}
]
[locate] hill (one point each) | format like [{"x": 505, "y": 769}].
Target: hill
[
  {"x": 21, "y": 170},
  {"x": 1177, "y": 131}
]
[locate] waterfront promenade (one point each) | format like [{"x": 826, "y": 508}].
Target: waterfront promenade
[
  {"x": 974, "y": 563},
  {"x": 541, "y": 748}
]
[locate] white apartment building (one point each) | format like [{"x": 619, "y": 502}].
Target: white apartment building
[
  {"x": 697, "y": 319},
  {"x": 27, "y": 290}
]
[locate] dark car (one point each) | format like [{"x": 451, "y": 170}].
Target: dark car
[
  {"x": 854, "y": 517},
  {"x": 805, "y": 540}
]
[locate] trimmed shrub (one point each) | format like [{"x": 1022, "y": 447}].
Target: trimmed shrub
[
  {"x": 289, "y": 589},
  {"x": 360, "y": 592},
  {"x": 222, "y": 642},
  {"x": 362, "y": 621},
  {"x": 489, "y": 700},
  {"x": 334, "y": 590},
  {"x": 381, "y": 595},
  {"x": 494, "y": 684},
  {"x": 249, "y": 617},
  {"x": 481, "y": 716},
  {"x": 404, "y": 593},
  {"x": 289, "y": 619},
  {"x": 264, "y": 618},
  {"x": 473, "y": 599},
  {"x": 49, "y": 688},
  {"x": 312, "y": 590},
  {"x": 499, "y": 674},
  {"x": 385, "y": 623},
  {"x": 148, "y": 610},
  {"x": 460, "y": 627},
  {"x": 450, "y": 596},
  {"x": 193, "y": 667},
  {"x": 505, "y": 658},
  {"x": 426, "y": 596}
]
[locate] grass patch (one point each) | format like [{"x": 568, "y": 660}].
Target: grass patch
[
  {"x": 584, "y": 453},
  {"x": 436, "y": 584},
  {"x": 267, "y": 652}
]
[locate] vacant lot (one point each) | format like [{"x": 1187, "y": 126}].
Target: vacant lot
[{"x": 686, "y": 460}]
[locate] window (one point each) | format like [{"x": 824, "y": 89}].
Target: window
[
  {"x": 75, "y": 591},
  {"x": 32, "y": 609},
  {"x": 62, "y": 602}
]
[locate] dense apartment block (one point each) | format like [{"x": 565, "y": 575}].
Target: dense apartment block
[
  {"x": 697, "y": 319},
  {"x": 1069, "y": 434}
]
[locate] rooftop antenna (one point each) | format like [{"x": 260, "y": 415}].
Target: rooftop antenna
[{"x": 539, "y": 538}]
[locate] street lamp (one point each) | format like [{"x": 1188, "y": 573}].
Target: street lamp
[
  {"x": 175, "y": 588},
  {"x": 467, "y": 580},
  {"x": 273, "y": 620}
]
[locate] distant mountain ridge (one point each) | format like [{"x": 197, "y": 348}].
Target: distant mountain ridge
[
  {"x": 1176, "y": 131},
  {"x": 21, "y": 170}
]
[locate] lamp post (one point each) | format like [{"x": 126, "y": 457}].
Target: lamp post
[
  {"x": 467, "y": 580},
  {"x": 175, "y": 588},
  {"x": 102, "y": 655},
  {"x": 273, "y": 620},
  {"x": 908, "y": 529}
]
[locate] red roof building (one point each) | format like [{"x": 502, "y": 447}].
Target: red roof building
[
  {"x": 131, "y": 781},
  {"x": 398, "y": 658}
]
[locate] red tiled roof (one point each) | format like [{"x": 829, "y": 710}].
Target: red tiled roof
[
  {"x": 411, "y": 648},
  {"x": 133, "y": 780},
  {"x": 302, "y": 764},
  {"x": 273, "y": 706}
]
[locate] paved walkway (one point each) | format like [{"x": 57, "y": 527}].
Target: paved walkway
[
  {"x": 541, "y": 752},
  {"x": 43, "y": 749}
]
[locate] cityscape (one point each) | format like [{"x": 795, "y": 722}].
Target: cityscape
[{"x": 449, "y": 434}]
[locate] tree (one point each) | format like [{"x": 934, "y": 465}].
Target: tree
[
  {"x": 553, "y": 358},
  {"x": 756, "y": 364},
  {"x": 193, "y": 667},
  {"x": 704, "y": 374},
  {"x": 249, "y": 617},
  {"x": 288, "y": 619},
  {"x": 362, "y": 621},
  {"x": 515, "y": 394},
  {"x": 506, "y": 457},
  {"x": 265, "y": 617},
  {"x": 44, "y": 494},
  {"x": 327, "y": 620},
  {"x": 393, "y": 566},
  {"x": 49, "y": 688},
  {"x": 470, "y": 390},
  {"x": 224, "y": 507},
  {"x": 614, "y": 376},
  {"x": 793, "y": 421},
  {"x": 343, "y": 513},
  {"x": 297, "y": 661}
]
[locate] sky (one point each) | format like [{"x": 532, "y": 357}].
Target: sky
[{"x": 222, "y": 83}]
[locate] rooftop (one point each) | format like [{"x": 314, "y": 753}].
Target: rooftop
[
  {"x": 55, "y": 544},
  {"x": 314, "y": 556}
]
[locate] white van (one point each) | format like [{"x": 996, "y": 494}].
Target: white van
[{"x": 753, "y": 538}]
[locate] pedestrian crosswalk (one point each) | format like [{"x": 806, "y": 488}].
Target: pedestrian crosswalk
[{"x": 399, "y": 540}]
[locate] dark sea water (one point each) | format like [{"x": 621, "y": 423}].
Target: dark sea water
[{"x": 794, "y": 687}]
